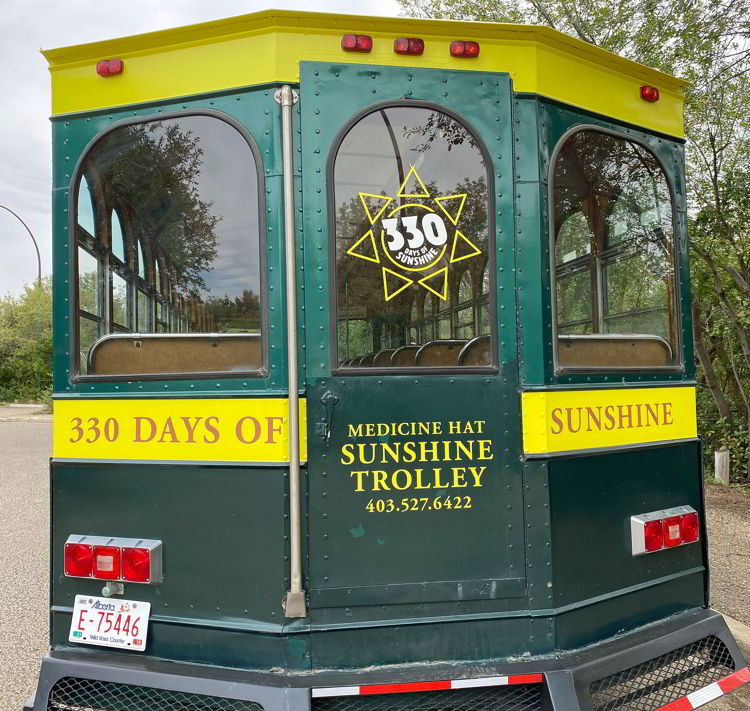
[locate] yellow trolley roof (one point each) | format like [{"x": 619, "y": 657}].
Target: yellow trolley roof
[{"x": 268, "y": 47}]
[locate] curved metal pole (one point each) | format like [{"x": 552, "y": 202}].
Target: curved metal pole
[{"x": 36, "y": 246}]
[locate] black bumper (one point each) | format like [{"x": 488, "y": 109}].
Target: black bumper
[{"x": 650, "y": 667}]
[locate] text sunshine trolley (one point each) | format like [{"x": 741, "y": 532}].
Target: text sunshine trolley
[{"x": 374, "y": 379}]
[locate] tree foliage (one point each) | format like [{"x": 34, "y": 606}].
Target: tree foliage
[
  {"x": 708, "y": 44},
  {"x": 26, "y": 344}
]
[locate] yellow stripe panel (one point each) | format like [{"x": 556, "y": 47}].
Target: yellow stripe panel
[
  {"x": 217, "y": 430},
  {"x": 569, "y": 421},
  {"x": 269, "y": 47}
]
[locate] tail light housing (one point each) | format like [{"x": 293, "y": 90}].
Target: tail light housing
[
  {"x": 408, "y": 45},
  {"x": 356, "y": 43},
  {"x": 465, "y": 48},
  {"x": 132, "y": 560},
  {"x": 668, "y": 528}
]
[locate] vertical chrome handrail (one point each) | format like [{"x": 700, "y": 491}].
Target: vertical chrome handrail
[{"x": 294, "y": 602}]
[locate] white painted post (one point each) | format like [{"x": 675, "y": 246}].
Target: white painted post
[{"x": 721, "y": 465}]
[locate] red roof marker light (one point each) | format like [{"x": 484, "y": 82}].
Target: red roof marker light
[
  {"x": 650, "y": 94},
  {"x": 356, "y": 43},
  {"x": 465, "y": 48},
  {"x": 109, "y": 67},
  {"x": 408, "y": 45}
]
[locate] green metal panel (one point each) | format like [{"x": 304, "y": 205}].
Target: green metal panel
[
  {"x": 225, "y": 552},
  {"x": 592, "y": 500},
  {"x": 254, "y": 109},
  {"x": 416, "y": 563}
]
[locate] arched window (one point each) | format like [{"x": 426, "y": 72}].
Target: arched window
[
  {"x": 613, "y": 241},
  {"x": 192, "y": 237},
  {"x": 408, "y": 224}
]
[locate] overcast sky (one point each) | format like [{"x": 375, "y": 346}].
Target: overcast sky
[{"x": 25, "y": 151}]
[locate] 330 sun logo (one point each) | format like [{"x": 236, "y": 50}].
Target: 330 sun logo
[{"x": 414, "y": 236}]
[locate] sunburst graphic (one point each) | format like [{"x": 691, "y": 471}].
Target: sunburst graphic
[{"x": 406, "y": 238}]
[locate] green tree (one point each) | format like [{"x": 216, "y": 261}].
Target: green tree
[
  {"x": 708, "y": 44},
  {"x": 26, "y": 343}
]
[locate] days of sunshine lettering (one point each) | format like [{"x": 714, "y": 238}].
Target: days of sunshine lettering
[
  {"x": 142, "y": 429},
  {"x": 572, "y": 420},
  {"x": 439, "y": 472}
]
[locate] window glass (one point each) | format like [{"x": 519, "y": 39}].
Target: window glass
[
  {"x": 89, "y": 283},
  {"x": 118, "y": 241},
  {"x": 189, "y": 188},
  {"x": 141, "y": 262},
  {"x": 89, "y": 332},
  {"x": 85, "y": 216},
  {"x": 407, "y": 225},
  {"x": 120, "y": 301},
  {"x": 614, "y": 255}
]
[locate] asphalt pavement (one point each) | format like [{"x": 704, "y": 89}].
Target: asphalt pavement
[{"x": 25, "y": 448}]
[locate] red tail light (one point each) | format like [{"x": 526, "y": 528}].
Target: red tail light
[
  {"x": 408, "y": 45},
  {"x": 658, "y": 530},
  {"x": 107, "y": 562},
  {"x": 109, "y": 67},
  {"x": 464, "y": 48},
  {"x": 689, "y": 527},
  {"x": 136, "y": 565},
  {"x": 654, "y": 536},
  {"x": 79, "y": 559},
  {"x": 356, "y": 43},
  {"x": 135, "y": 560},
  {"x": 650, "y": 94}
]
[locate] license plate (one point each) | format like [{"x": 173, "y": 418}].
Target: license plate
[{"x": 110, "y": 622}]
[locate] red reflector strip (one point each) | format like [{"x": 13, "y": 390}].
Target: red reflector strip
[
  {"x": 404, "y": 688},
  {"x": 709, "y": 693},
  {"x": 428, "y": 685}
]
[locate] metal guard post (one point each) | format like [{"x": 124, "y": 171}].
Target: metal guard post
[{"x": 294, "y": 602}]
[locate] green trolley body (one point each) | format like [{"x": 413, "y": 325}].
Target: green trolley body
[{"x": 374, "y": 376}]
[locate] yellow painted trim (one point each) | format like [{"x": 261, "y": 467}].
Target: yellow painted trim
[
  {"x": 569, "y": 421},
  {"x": 189, "y": 430},
  {"x": 268, "y": 47}
]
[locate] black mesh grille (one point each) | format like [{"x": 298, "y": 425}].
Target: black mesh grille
[
  {"x": 523, "y": 697},
  {"x": 659, "y": 681},
  {"x": 73, "y": 694}
]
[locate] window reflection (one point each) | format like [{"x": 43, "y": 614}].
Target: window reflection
[
  {"x": 180, "y": 252},
  {"x": 411, "y": 240},
  {"x": 614, "y": 254}
]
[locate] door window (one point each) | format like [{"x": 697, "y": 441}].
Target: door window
[{"x": 412, "y": 234}]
